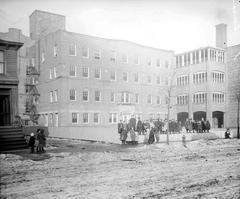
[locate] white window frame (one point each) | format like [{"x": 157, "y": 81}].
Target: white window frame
[
  {"x": 51, "y": 96},
  {"x": 75, "y": 94},
  {"x": 56, "y": 95},
  {"x": 88, "y": 72},
  {"x": 113, "y": 97},
  {"x": 98, "y": 122},
  {"x": 85, "y": 90},
  {"x": 77, "y": 114},
  {"x": 123, "y": 77},
  {"x": 54, "y": 72},
  {"x": 75, "y": 50},
  {"x": 86, "y": 57},
  {"x": 138, "y": 60},
  {"x": 99, "y": 54},
  {"x": 87, "y": 118},
  {"x": 43, "y": 57},
  {"x": 126, "y": 62},
  {"x": 112, "y": 118},
  {"x": 99, "y": 96},
  {"x": 50, "y": 73},
  {"x": 115, "y": 75},
  {"x": 100, "y": 73},
  {"x": 113, "y": 56},
  {"x": 2, "y": 63},
  {"x": 75, "y": 71}
]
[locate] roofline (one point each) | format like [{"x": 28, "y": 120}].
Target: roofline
[
  {"x": 46, "y": 13},
  {"x": 13, "y": 43},
  {"x": 117, "y": 40},
  {"x": 199, "y": 49}
]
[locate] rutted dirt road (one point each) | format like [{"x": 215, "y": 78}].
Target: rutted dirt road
[{"x": 205, "y": 169}]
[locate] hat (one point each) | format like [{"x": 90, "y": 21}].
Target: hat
[{"x": 32, "y": 134}]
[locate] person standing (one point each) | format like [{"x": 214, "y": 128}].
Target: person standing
[
  {"x": 227, "y": 134},
  {"x": 208, "y": 126},
  {"x": 31, "y": 143},
  {"x": 151, "y": 136},
  {"x": 124, "y": 133}
]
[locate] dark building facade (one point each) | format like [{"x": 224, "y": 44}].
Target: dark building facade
[{"x": 8, "y": 81}]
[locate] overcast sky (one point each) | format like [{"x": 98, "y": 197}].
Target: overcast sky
[{"x": 179, "y": 25}]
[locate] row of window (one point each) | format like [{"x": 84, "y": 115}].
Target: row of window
[
  {"x": 112, "y": 75},
  {"x": 199, "y": 56},
  {"x": 200, "y": 78},
  {"x": 97, "y": 54},
  {"x": 123, "y": 97},
  {"x": 200, "y": 98}
]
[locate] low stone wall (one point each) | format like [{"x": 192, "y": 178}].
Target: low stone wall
[{"x": 109, "y": 134}]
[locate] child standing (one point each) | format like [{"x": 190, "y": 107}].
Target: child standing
[{"x": 31, "y": 142}]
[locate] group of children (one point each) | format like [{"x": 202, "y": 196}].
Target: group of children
[{"x": 38, "y": 141}]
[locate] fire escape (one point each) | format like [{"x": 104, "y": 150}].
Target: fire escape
[{"x": 32, "y": 93}]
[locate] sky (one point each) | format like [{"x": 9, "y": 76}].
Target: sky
[{"x": 178, "y": 25}]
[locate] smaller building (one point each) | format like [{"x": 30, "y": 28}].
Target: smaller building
[{"x": 8, "y": 81}]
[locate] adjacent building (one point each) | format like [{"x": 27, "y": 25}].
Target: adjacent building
[{"x": 8, "y": 81}]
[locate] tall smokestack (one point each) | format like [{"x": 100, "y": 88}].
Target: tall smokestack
[{"x": 221, "y": 35}]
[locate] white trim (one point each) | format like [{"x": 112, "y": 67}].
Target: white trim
[
  {"x": 87, "y": 118},
  {"x": 86, "y": 57},
  {"x": 100, "y": 74},
  {"x": 74, "y": 123},
  {"x": 75, "y": 50},
  {"x": 98, "y": 118},
  {"x": 75, "y": 94},
  {"x": 88, "y": 73},
  {"x": 99, "y": 96},
  {"x": 87, "y": 95}
]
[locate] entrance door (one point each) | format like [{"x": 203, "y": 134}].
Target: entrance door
[{"x": 4, "y": 110}]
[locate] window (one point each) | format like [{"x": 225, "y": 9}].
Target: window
[
  {"x": 56, "y": 95},
  {"x": 182, "y": 99},
  {"x": 149, "y": 79},
  {"x": 113, "y": 56},
  {"x": 50, "y": 73},
  {"x": 72, "y": 50},
  {"x": 124, "y": 58},
  {"x": 85, "y": 52},
  {"x": 199, "y": 98},
  {"x": 55, "y": 51},
  {"x": 218, "y": 77},
  {"x": 74, "y": 118},
  {"x": 56, "y": 119},
  {"x": 125, "y": 97},
  {"x": 54, "y": 72},
  {"x": 112, "y": 118},
  {"x": 136, "y": 60},
  {"x": 113, "y": 76},
  {"x": 51, "y": 119},
  {"x": 217, "y": 97},
  {"x": 125, "y": 76},
  {"x": 158, "y": 100},
  {"x": 85, "y": 95},
  {"x": 158, "y": 63},
  {"x": 51, "y": 96},
  {"x": 149, "y": 62},
  {"x": 73, "y": 71},
  {"x": 158, "y": 80},
  {"x": 112, "y": 97},
  {"x": 97, "y": 73},
  {"x": 85, "y": 118},
  {"x": 199, "y": 78},
  {"x": 137, "y": 98},
  {"x": 96, "y": 118},
  {"x": 184, "y": 80},
  {"x": 97, "y": 96},
  {"x": 97, "y": 54},
  {"x": 72, "y": 95},
  {"x": 166, "y": 64},
  {"x": 85, "y": 72},
  {"x": 149, "y": 99},
  {"x": 43, "y": 57},
  {"x": 2, "y": 66},
  {"x": 136, "y": 77}
]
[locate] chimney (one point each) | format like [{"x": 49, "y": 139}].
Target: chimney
[{"x": 221, "y": 35}]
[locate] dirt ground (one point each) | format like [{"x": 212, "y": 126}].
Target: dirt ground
[{"x": 77, "y": 169}]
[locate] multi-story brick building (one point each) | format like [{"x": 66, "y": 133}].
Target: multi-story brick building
[
  {"x": 233, "y": 87},
  {"x": 201, "y": 82},
  {"x": 87, "y": 84}
]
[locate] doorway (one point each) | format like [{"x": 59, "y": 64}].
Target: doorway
[{"x": 5, "y": 110}]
